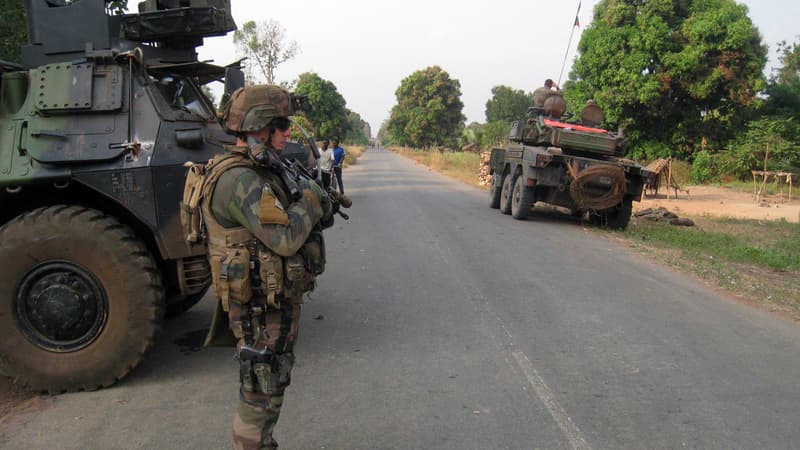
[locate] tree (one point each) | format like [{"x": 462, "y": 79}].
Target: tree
[
  {"x": 507, "y": 104},
  {"x": 769, "y": 143},
  {"x": 784, "y": 87},
  {"x": 428, "y": 110},
  {"x": 356, "y": 133},
  {"x": 790, "y": 59},
  {"x": 682, "y": 73},
  {"x": 264, "y": 43},
  {"x": 329, "y": 116}
]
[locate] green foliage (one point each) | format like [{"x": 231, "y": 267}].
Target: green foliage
[
  {"x": 771, "y": 245},
  {"x": 329, "y": 116},
  {"x": 356, "y": 133},
  {"x": 507, "y": 104},
  {"x": 265, "y": 46},
  {"x": 13, "y": 29},
  {"x": 701, "y": 167},
  {"x": 789, "y": 73},
  {"x": 771, "y": 138},
  {"x": 428, "y": 110},
  {"x": 495, "y": 134},
  {"x": 683, "y": 73},
  {"x": 472, "y": 135},
  {"x": 784, "y": 87},
  {"x": 649, "y": 150}
]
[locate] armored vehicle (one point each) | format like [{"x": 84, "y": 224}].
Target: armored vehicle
[
  {"x": 574, "y": 165},
  {"x": 95, "y": 126}
]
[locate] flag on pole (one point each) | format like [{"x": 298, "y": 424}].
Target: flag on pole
[{"x": 577, "y": 22}]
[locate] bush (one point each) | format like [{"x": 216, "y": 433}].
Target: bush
[
  {"x": 701, "y": 167},
  {"x": 649, "y": 150}
]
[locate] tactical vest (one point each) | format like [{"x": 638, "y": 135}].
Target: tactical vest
[{"x": 241, "y": 266}]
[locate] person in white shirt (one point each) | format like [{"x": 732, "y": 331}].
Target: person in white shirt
[{"x": 326, "y": 163}]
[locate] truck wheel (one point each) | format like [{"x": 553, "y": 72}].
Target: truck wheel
[
  {"x": 619, "y": 217},
  {"x": 494, "y": 193},
  {"x": 521, "y": 199},
  {"x": 505, "y": 194},
  {"x": 81, "y": 299}
]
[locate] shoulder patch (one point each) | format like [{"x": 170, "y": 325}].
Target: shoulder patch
[{"x": 270, "y": 210}]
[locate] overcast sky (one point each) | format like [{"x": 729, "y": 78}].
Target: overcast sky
[{"x": 367, "y": 47}]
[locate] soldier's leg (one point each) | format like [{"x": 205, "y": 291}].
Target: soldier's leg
[{"x": 262, "y": 385}]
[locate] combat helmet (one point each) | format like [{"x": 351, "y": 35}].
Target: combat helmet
[{"x": 252, "y": 108}]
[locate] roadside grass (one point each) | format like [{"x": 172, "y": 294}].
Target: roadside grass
[
  {"x": 758, "y": 261},
  {"x": 754, "y": 260},
  {"x": 463, "y": 166},
  {"x": 351, "y": 154}
]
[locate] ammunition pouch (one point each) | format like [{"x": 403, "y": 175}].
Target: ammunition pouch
[
  {"x": 313, "y": 252},
  {"x": 270, "y": 271},
  {"x": 191, "y": 217},
  {"x": 298, "y": 279},
  {"x": 264, "y": 371},
  {"x": 303, "y": 267},
  {"x": 230, "y": 274}
]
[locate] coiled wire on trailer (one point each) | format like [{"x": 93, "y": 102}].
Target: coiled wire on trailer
[{"x": 591, "y": 191}]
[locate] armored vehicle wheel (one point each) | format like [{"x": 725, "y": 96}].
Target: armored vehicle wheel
[
  {"x": 80, "y": 299},
  {"x": 522, "y": 198},
  {"x": 505, "y": 194},
  {"x": 619, "y": 216},
  {"x": 494, "y": 193}
]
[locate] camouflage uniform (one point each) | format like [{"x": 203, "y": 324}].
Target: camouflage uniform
[
  {"x": 260, "y": 241},
  {"x": 541, "y": 94}
]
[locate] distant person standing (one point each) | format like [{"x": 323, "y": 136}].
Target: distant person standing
[
  {"x": 326, "y": 163},
  {"x": 338, "y": 159}
]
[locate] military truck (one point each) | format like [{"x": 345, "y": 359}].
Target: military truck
[
  {"x": 574, "y": 165},
  {"x": 95, "y": 126}
]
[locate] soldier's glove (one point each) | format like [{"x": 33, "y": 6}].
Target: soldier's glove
[{"x": 321, "y": 196}]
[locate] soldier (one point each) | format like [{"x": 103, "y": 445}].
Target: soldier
[
  {"x": 265, "y": 250},
  {"x": 543, "y": 93}
]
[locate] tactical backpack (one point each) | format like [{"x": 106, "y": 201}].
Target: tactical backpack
[{"x": 199, "y": 184}]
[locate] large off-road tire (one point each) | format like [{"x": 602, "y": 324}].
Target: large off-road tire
[
  {"x": 495, "y": 191},
  {"x": 505, "y": 194},
  {"x": 81, "y": 299},
  {"x": 618, "y": 217},
  {"x": 522, "y": 198}
]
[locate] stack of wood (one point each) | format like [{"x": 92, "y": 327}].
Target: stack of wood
[{"x": 483, "y": 175}]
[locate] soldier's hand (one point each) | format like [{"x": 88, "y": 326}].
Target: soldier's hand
[{"x": 322, "y": 197}]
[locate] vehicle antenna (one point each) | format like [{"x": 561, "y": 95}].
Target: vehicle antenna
[{"x": 574, "y": 25}]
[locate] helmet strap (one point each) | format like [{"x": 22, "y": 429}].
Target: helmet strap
[{"x": 253, "y": 141}]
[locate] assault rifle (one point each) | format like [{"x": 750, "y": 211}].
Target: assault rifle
[{"x": 292, "y": 172}]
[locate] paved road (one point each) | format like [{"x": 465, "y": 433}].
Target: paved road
[{"x": 443, "y": 324}]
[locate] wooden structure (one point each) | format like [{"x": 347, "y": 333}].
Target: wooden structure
[
  {"x": 662, "y": 168},
  {"x": 764, "y": 176}
]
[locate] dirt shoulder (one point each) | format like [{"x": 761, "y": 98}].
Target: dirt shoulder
[
  {"x": 770, "y": 290},
  {"x": 724, "y": 202},
  {"x": 15, "y": 403}
]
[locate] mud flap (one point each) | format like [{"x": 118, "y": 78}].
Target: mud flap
[{"x": 220, "y": 334}]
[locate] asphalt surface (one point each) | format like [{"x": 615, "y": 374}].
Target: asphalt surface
[{"x": 441, "y": 323}]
